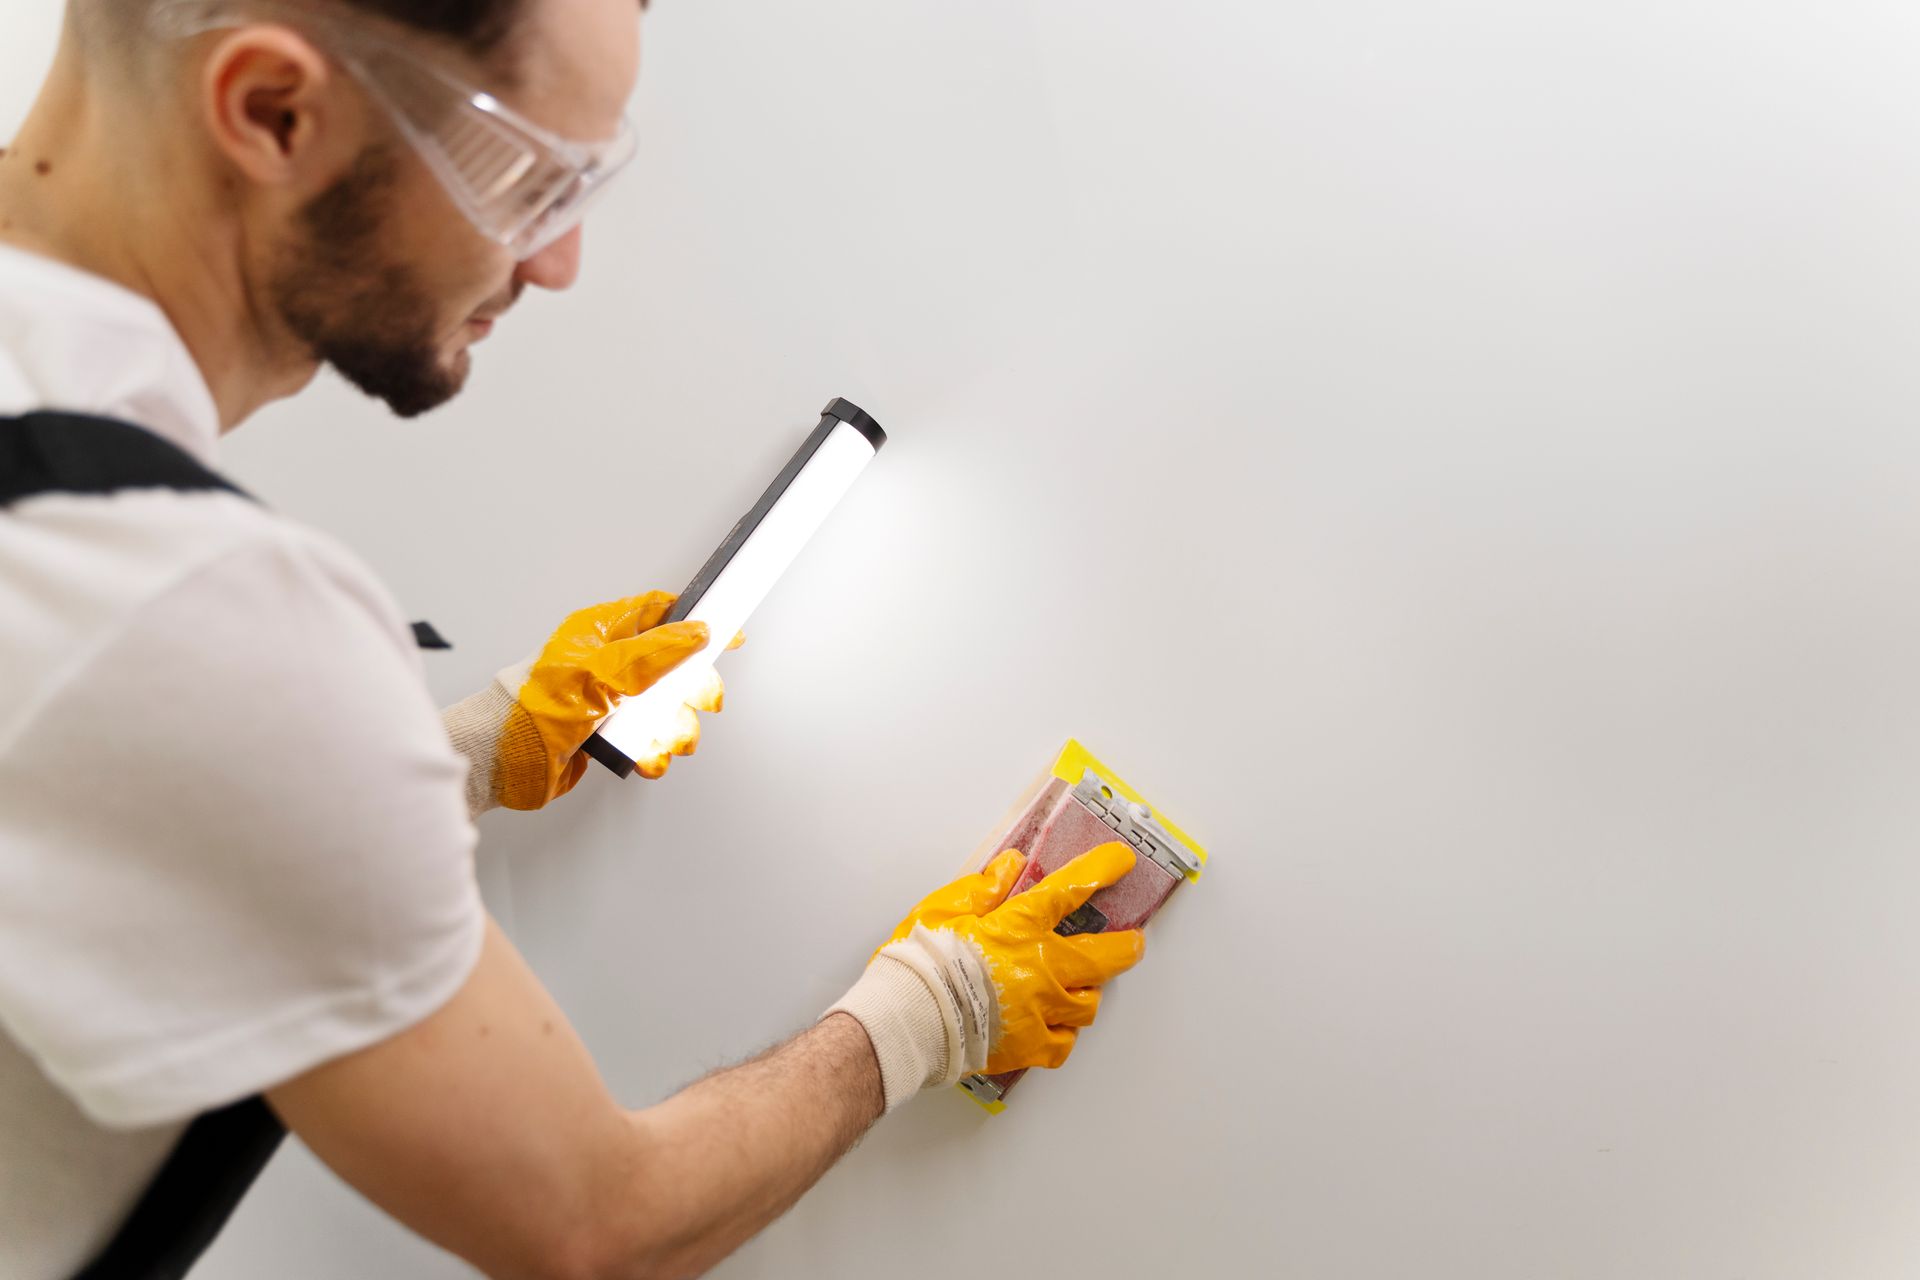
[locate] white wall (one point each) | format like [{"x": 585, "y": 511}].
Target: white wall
[{"x": 1458, "y": 458}]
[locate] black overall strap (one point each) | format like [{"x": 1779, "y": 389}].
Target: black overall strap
[
  {"x": 221, "y": 1153},
  {"x": 219, "y": 1157},
  {"x": 73, "y": 453}
]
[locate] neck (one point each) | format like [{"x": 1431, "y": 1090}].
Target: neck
[{"x": 109, "y": 190}]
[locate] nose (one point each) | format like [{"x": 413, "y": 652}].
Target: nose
[{"x": 555, "y": 267}]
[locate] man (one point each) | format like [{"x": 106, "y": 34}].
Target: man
[{"x": 235, "y": 836}]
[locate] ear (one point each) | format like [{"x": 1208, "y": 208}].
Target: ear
[{"x": 274, "y": 106}]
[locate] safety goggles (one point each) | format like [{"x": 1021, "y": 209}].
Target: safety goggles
[{"x": 520, "y": 185}]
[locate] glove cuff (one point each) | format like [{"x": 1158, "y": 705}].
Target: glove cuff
[
  {"x": 904, "y": 1022},
  {"x": 927, "y": 1006},
  {"x": 473, "y": 726}
]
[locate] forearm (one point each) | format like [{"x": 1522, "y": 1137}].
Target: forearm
[
  {"x": 486, "y": 1127},
  {"x": 721, "y": 1159}
]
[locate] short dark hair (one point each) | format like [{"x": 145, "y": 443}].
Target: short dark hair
[
  {"x": 481, "y": 29},
  {"x": 479, "y": 26}
]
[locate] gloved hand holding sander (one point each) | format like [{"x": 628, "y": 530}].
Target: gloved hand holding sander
[{"x": 973, "y": 980}]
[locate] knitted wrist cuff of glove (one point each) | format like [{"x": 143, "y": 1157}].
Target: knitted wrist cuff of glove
[
  {"x": 927, "y": 1008},
  {"x": 473, "y": 726},
  {"x": 903, "y": 1021}
]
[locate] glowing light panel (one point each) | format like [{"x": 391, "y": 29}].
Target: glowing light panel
[{"x": 639, "y": 726}]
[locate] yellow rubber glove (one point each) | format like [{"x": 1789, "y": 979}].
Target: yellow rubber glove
[
  {"x": 973, "y": 980},
  {"x": 523, "y": 733}
]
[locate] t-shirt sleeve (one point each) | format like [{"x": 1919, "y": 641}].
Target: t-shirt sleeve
[{"x": 239, "y": 841}]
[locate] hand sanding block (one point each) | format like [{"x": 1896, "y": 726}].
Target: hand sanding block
[{"x": 1077, "y": 805}]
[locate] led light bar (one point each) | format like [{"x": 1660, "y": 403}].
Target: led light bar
[{"x": 741, "y": 573}]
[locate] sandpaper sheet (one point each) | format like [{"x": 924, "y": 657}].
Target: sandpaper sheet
[{"x": 1052, "y": 830}]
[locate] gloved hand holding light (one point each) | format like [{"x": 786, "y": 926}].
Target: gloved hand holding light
[{"x": 741, "y": 573}]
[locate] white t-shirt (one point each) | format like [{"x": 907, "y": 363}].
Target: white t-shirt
[{"x": 234, "y": 840}]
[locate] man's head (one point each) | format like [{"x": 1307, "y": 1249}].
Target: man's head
[{"x": 372, "y": 163}]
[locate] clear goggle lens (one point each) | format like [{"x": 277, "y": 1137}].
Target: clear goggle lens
[{"x": 522, "y": 187}]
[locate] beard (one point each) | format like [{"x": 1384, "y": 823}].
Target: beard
[{"x": 368, "y": 317}]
